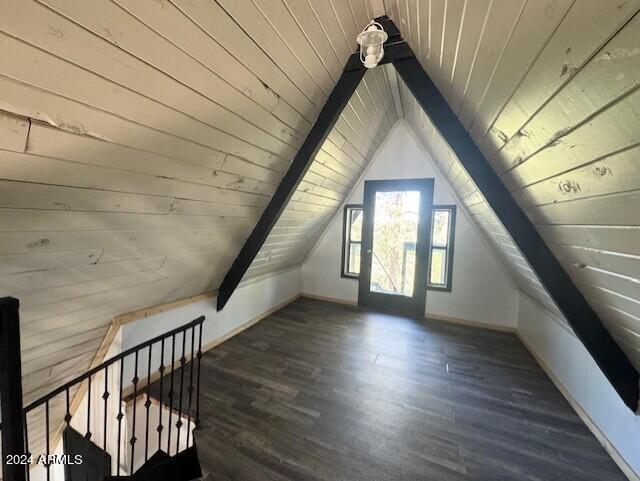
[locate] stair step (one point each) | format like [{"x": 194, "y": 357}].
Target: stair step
[
  {"x": 184, "y": 466},
  {"x": 158, "y": 457}
]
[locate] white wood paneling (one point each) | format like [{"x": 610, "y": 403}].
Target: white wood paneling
[
  {"x": 140, "y": 142},
  {"x": 549, "y": 92},
  {"x": 284, "y": 248}
]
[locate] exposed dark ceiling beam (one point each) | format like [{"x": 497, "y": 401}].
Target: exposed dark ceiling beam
[
  {"x": 585, "y": 322},
  {"x": 337, "y": 101}
]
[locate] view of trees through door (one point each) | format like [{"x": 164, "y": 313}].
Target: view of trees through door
[{"x": 395, "y": 232}]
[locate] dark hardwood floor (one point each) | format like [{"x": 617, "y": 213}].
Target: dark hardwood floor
[{"x": 321, "y": 391}]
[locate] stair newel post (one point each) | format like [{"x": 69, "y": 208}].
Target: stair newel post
[
  {"x": 161, "y": 370},
  {"x": 199, "y": 355},
  {"x": 13, "y": 419},
  {"x": 190, "y": 388},
  {"x": 135, "y": 402}
]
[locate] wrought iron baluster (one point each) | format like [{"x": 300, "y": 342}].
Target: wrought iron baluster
[
  {"x": 161, "y": 369},
  {"x": 190, "y": 388},
  {"x": 199, "y": 363},
  {"x": 67, "y": 416},
  {"x": 88, "y": 435},
  {"x": 147, "y": 405},
  {"x": 46, "y": 423},
  {"x": 105, "y": 397},
  {"x": 120, "y": 416},
  {"x": 173, "y": 354},
  {"x": 182, "y": 363},
  {"x": 135, "y": 402}
]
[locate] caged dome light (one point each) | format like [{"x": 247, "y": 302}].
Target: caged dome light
[{"x": 371, "y": 41}]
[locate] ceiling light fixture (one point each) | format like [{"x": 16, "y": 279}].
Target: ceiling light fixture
[{"x": 371, "y": 41}]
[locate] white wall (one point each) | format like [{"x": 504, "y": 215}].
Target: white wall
[
  {"x": 251, "y": 299},
  {"x": 573, "y": 369},
  {"x": 482, "y": 291}
]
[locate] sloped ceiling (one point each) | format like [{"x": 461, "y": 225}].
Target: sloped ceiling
[
  {"x": 360, "y": 130},
  {"x": 140, "y": 141},
  {"x": 549, "y": 91}
]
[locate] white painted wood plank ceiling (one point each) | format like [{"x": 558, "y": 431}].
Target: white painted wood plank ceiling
[
  {"x": 140, "y": 141},
  {"x": 549, "y": 92}
]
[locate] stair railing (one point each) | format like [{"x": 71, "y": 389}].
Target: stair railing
[{"x": 157, "y": 359}]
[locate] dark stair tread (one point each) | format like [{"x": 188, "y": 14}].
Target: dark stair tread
[
  {"x": 184, "y": 466},
  {"x": 158, "y": 457}
]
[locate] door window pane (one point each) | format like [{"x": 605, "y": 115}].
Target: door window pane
[{"x": 395, "y": 225}]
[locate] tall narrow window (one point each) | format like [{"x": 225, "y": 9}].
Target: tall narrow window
[
  {"x": 351, "y": 240},
  {"x": 442, "y": 236}
]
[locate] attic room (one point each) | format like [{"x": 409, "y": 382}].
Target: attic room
[{"x": 283, "y": 240}]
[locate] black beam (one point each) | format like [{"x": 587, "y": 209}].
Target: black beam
[
  {"x": 347, "y": 84},
  {"x": 11, "y": 389},
  {"x": 585, "y": 322}
]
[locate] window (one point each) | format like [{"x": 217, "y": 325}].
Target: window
[
  {"x": 442, "y": 235},
  {"x": 441, "y": 255},
  {"x": 351, "y": 240}
]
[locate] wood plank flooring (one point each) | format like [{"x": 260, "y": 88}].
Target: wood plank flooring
[{"x": 321, "y": 391}]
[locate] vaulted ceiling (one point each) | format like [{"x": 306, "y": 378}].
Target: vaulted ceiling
[
  {"x": 549, "y": 92},
  {"x": 140, "y": 141}
]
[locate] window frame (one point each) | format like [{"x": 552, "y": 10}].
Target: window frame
[
  {"x": 447, "y": 286},
  {"x": 346, "y": 242}
]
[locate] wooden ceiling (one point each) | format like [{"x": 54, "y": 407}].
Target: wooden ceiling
[
  {"x": 549, "y": 92},
  {"x": 141, "y": 139}
]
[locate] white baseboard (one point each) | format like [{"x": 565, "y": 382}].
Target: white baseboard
[
  {"x": 472, "y": 323},
  {"x": 329, "y": 299},
  {"x": 600, "y": 436}
]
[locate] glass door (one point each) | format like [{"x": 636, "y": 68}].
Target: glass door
[{"x": 396, "y": 229}]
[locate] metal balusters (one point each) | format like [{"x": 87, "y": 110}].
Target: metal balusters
[
  {"x": 190, "y": 388},
  {"x": 161, "y": 370},
  {"x": 199, "y": 362},
  {"x": 65, "y": 389},
  {"x": 147, "y": 405},
  {"x": 183, "y": 360},
  {"x": 46, "y": 436},
  {"x": 173, "y": 354},
  {"x": 135, "y": 396},
  {"x": 105, "y": 397},
  {"x": 88, "y": 435},
  {"x": 120, "y": 416}
]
